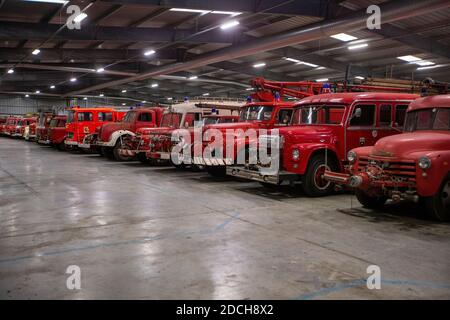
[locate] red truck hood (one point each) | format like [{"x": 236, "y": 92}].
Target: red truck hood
[
  {"x": 402, "y": 145},
  {"x": 306, "y": 133}
]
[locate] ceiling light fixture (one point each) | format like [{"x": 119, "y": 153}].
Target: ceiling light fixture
[
  {"x": 99, "y": 70},
  {"x": 144, "y": 101},
  {"x": 149, "y": 52},
  {"x": 424, "y": 63},
  {"x": 101, "y": 95},
  {"x": 27, "y": 95},
  {"x": 154, "y": 85},
  {"x": 123, "y": 91},
  {"x": 409, "y": 58},
  {"x": 249, "y": 89},
  {"x": 85, "y": 98},
  {"x": 80, "y": 17},
  {"x": 73, "y": 79},
  {"x": 11, "y": 71},
  {"x": 231, "y": 13},
  {"x": 205, "y": 94},
  {"x": 322, "y": 80},
  {"x": 50, "y": 1},
  {"x": 193, "y": 77},
  {"x": 52, "y": 87},
  {"x": 36, "y": 52},
  {"x": 169, "y": 98},
  {"x": 359, "y": 77},
  {"x": 229, "y": 24},
  {"x": 343, "y": 37},
  {"x": 259, "y": 65},
  {"x": 430, "y": 67},
  {"x": 320, "y": 68},
  {"x": 189, "y": 10},
  {"x": 358, "y": 46},
  {"x": 37, "y": 91}
]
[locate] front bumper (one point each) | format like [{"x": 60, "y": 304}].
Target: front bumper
[
  {"x": 278, "y": 178},
  {"x": 104, "y": 144},
  {"x": 84, "y": 145},
  {"x": 213, "y": 161},
  {"x": 71, "y": 143},
  {"x": 44, "y": 141}
]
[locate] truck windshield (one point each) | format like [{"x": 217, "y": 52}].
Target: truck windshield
[
  {"x": 53, "y": 123},
  {"x": 210, "y": 120},
  {"x": 256, "y": 113},
  {"x": 71, "y": 116},
  {"x": 171, "y": 119},
  {"x": 428, "y": 119},
  {"x": 318, "y": 114},
  {"x": 129, "y": 116}
]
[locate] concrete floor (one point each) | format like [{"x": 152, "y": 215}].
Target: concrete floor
[{"x": 158, "y": 233}]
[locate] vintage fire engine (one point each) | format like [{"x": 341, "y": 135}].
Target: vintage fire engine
[
  {"x": 110, "y": 137},
  {"x": 2, "y": 123},
  {"x": 56, "y": 133},
  {"x": 156, "y": 144},
  {"x": 264, "y": 110},
  {"x": 324, "y": 128},
  {"x": 11, "y": 125},
  {"x": 414, "y": 165},
  {"x": 84, "y": 121},
  {"x": 42, "y": 126},
  {"x": 22, "y": 126}
]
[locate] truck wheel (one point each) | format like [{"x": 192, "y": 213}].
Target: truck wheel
[
  {"x": 438, "y": 206},
  {"x": 370, "y": 201},
  {"x": 143, "y": 158},
  {"x": 108, "y": 153},
  {"x": 313, "y": 183},
  {"x": 61, "y": 146},
  {"x": 117, "y": 155}
]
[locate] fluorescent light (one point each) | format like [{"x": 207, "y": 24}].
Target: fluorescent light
[
  {"x": 123, "y": 91},
  {"x": 430, "y": 67},
  {"x": 144, "y": 101},
  {"x": 292, "y": 60},
  {"x": 231, "y": 13},
  {"x": 11, "y": 71},
  {"x": 409, "y": 58},
  {"x": 189, "y": 10},
  {"x": 358, "y": 46},
  {"x": 359, "y": 77},
  {"x": 100, "y": 70},
  {"x": 343, "y": 37},
  {"x": 249, "y": 89},
  {"x": 169, "y": 98},
  {"x": 322, "y": 80},
  {"x": 36, "y": 52},
  {"x": 149, "y": 52},
  {"x": 49, "y": 1},
  {"x": 27, "y": 95},
  {"x": 424, "y": 63},
  {"x": 37, "y": 91},
  {"x": 80, "y": 17},
  {"x": 309, "y": 64},
  {"x": 193, "y": 77},
  {"x": 154, "y": 85},
  {"x": 124, "y": 104},
  {"x": 52, "y": 87},
  {"x": 320, "y": 68},
  {"x": 230, "y": 24},
  {"x": 259, "y": 65},
  {"x": 101, "y": 95},
  {"x": 85, "y": 98},
  {"x": 205, "y": 94},
  {"x": 73, "y": 79}
]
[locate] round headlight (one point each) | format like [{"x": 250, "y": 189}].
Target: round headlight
[
  {"x": 295, "y": 154},
  {"x": 424, "y": 162},
  {"x": 351, "y": 156}
]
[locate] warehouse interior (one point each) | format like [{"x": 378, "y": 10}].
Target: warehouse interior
[{"x": 150, "y": 230}]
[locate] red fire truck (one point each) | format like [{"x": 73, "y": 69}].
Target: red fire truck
[{"x": 56, "y": 133}]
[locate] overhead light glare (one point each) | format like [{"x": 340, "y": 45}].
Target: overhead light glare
[
  {"x": 359, "y": 77},
  {"x": 99, "y": 70},
  {"x": 322, "y": 80},
  {"x": 409, "y": 58},
  {"x": 154, "y": 85},
  {"x": 343, "y": 37},
  {"x": 358, "y": 46},
  {"x": 149, "y": 52},
  {"x": 424, "y": 63},
  {"x": 169, "y": 98},
  {"x": 85, "y": 98},
  {"x": 231, "y": 13},
  {"x": 430, "y": 67},
  {"x": 259, "y": 65},
  {"x": 36, "y": 52},
  {"x": 205, "y": 94},
  {"x": 37, "y": 91},
  {"x": 101, "y": 95},
  {"x": 52, "y": 87},
  {"x": 11, "y": 71},
  {"x": 50, "y": 1},
  {"x": 73, "y": 79},
  {"x": 229, "y": 24},
  {"x": 249, "y": 89},
  {"x": 189, "y": 10},
  {"x": 27, "y": 96},
  {"x": 144, "y": 101},
  {"x": 320, "y": 68},
  {"x": 123, "y": 91},
  {"x": 193, "y": 77}
]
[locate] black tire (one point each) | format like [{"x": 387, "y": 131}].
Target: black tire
[
  {"x": 108, "y": 153},
  {"x": 438, "y": 206},
  {"x": 368, "y": 201},
  {"x": 312, "y": 183},
  {"x": 117, "y": 155},
  {"x": 100, "y": 151},
  {"x": 268, "y": 185},
  {"x": 143, "y": 158},
  {"x": 61, "y": 146},
  {"x": 218, "y": 172}
]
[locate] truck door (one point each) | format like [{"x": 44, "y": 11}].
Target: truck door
[
  {"x": 146, "y": 119},
  {"x": 283, "y": 117},
  {"x": 385, "y": 120},
  {"x": 361, "y": 127}
]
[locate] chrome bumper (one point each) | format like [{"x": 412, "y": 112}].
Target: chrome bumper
[
  {"x": 213, "y": 161},
  {"x": 71, "y": 143},
  {"x": 278, "y": 178}
]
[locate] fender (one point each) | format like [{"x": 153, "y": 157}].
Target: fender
[
  {"x": 116, "y": 135},
  {"x": 306, "y": 150}
]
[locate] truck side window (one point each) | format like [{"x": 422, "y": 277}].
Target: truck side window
[
  {"x": 145, "y": 117},
  {"x": 84, "y": 116},
  {"x": 105, "y": 116},
  {"x": 442, "y": 119},
  {"x": 400, "y": 114},
  {"x": 385, "y": 115},
  {"x": 367, "y": 118},
  {"x": 284, "y": 116}
]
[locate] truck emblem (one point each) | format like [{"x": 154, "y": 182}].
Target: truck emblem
[
  {"x": 382, "y": 153},
  {"x": 374, "y": 133}
]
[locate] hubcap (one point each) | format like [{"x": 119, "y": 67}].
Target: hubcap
[
  {"x": 445, "y": 194},
  {"x": 319, "y": 181}
]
